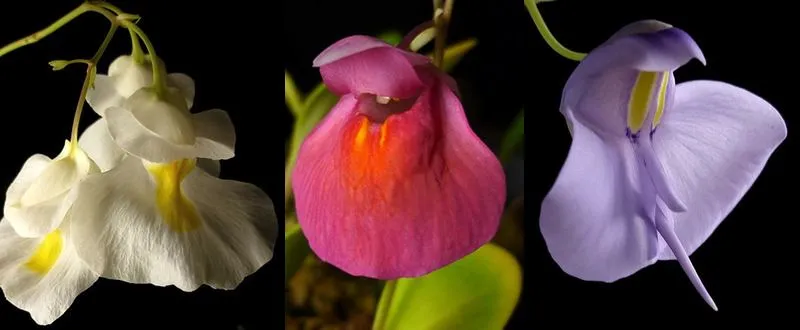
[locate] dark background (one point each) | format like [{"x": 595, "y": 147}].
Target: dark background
[
  {"x": 747, "y": 264},
  {"x": 223, "y": 49}
]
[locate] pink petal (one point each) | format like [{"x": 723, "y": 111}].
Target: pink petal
[
  {"x": 400, "y": 198},
  {"x": 361, "y": 64}
]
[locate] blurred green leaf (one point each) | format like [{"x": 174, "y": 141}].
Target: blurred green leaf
[
  {"x": 293, "y": 97},
  {"x": 514, "y": 137},
  {"x": 296, "y": 248},
  {"x": 391, "y": 37},
  {"x": 455, "y": 52},
  {"x": 477, "y": 292},
  {"x": 511, "y": 234},
  {"x": 422, "y": 39}
]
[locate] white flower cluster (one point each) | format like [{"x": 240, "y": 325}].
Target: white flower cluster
[{"x": 136, "y": 199}]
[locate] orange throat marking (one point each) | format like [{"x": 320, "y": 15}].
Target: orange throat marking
[{"x": 369, "y": 159}]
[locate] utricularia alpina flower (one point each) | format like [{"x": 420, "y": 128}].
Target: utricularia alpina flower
[
  {"x": 169, "y": 221},
  {"x": 136, "y": 198},
  {"x": 654, "y": 167},
  {"x": 40, "y": 271},
  {"x": 393, "y": 182}
]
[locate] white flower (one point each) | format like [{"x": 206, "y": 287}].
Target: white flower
[
  {"x": 162, "y": 131},
  {"x": 125, "y": 77},
  {"x": 39, "y": 269},
  {"x": 158, "y": 128},
  {"x": 97, "y": 143},
  {"x": 172, "y": 224},
  {"x": 38, "y": 199}
]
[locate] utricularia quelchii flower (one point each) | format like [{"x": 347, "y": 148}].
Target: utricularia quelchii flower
[
  {"x": 394, "y": 182},
  {"x": 654, "y": 167},
  {"x": 137, "y": 198}
]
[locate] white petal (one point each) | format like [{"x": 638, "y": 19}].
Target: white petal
[
  {"x": 170, "y": 122},
  {"x": 160, "y": 142},
  {"x": 37, "y": 200},
  {"x": 125, "y": 237},
  {"x": 104, "y": 94},
  {"x": 216, "y": 137},
  {"x": 185, "y": 85},
  {"x": 96, "y": 141},
  {"x": 29, "y": 284},
  {"x": 212, "y": 167},
  {"x": 130, "y": 76}
]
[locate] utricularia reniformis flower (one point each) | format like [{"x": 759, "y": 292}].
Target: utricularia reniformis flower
[
  {"x": 654, "y": 167},
  {"x": 393, "y": 182},
  {"x": 136, "y": 198}
]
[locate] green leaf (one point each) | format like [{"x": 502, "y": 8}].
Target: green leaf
[
  {"x": 477, "y": 292},
  {"x": 514, "y": 137},
  {"x": 511, "y": 234},
  {"x": 391, "y": 37},
  {"x": 296, "y": 248},
  {"x": 454, "y": 53},
  {"x": 292, "y": 95}
]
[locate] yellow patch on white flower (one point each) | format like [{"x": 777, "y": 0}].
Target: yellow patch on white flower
[
  {"x": 177, "y": 211},
  {"x": 47, "y": 254},
  {"x": 43, "y": 275},
  {"x": 172, "y": 224}
]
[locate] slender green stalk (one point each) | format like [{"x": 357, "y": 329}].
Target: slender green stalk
[
  {"x": 384, "y": 305},
  {"x": 159, "y": 79},
  {"x": 442, "y": 10},
  {"x": 41, "y": 34},
  {"x": 87, "y": 83},
  {"x": 136, "y": 48},
  {"x": 61, "y": 64},
  {"x": 548, "y": 36}
]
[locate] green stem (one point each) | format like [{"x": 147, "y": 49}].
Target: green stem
[
  {"x": 441, "y": 19},
  {"x": 136, "y": 48},
  {"x": 159, "y": 80},
  {"x": 548, "y": 36},
  {"x": 41, "y": 34},
  {"x": 87, "y": 83},
  {"x": 384, "y": 305},
  {"x": 61, "y": 64},
  {"x": 294, "y": 99}
]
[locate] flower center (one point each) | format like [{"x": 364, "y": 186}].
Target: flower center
[
  {"x": 378, "y": 107},
  {"x": 178, "y": 212},
  {"x": 647, "y": 101}
]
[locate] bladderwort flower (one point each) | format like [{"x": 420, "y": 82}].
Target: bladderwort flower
[
  {"x": 153, "y": 121},
  {"x": 156, "y": 215},
  {"x": 150, "y": 213},
  {"x": 393, "y": 182},
  {"x": 654, "y": 166},
  {"x": 40, "y": 272},
  {"x": 126, "y": 76}
]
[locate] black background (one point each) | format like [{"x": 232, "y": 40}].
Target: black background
[
  {"x": 223, "y": 49},
  {"x": 747, "y": 264}
]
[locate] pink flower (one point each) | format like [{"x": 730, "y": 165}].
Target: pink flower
[{"x": 394, "y": 182}]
